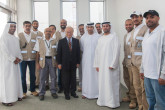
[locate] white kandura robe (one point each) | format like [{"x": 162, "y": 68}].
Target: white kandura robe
[
  {"x": 107, "y": 55},
  {"x": 89, "y": 74},
  {"x": 10, "y": 76}
]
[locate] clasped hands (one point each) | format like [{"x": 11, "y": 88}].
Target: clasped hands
[{"x": 17, "y": 60}]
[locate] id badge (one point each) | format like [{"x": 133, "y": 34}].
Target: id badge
[
  {"x": 139, "y": 45},
  {"x": 129, "y": 56}
]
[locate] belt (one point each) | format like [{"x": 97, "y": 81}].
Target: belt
[{"x": 48, "y": 57}]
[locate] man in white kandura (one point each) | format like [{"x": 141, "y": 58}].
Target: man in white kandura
[
  {"x": 88, "y": 44},
  {"x": 106, "y": 62},
  {"x": 10, "y": 76}
]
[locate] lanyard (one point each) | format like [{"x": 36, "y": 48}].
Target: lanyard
[{"x": 47, "y": 44}]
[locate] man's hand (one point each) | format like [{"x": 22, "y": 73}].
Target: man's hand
[
  {"x": 17, "y": 60},
  {"x": 161, "y": 81},
  {"x": 142, "y": 76},
  {"x": 38, "y": 66},
  {"x": 110, "y": 68},
  {"x": 59, "y": 67},
  {"x": 56, "y": 65},
  {"x": 78, "y": 65},
  {"x": 97, "y": 69}
]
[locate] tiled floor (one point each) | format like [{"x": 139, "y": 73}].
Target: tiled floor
[{"x": 33, "y": 103}]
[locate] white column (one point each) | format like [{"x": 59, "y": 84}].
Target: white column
[
  {"x": 55, "y": 13},
  {"x": 24, "y": 13},
  {"x": 83, "y": 12}
]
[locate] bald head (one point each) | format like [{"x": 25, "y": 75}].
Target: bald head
[
  {"x": 47, "y": 33},
  {"x": 129, "y": 25},
  {"x": 63, "y": 24},
  {"x": 69, "y": 31}
]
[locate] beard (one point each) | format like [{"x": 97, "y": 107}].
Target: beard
[
  {"x": 106, "y": 31},
  {"x": 63, "y": 27},
  {"x": 35, "y": 27},
  {"x": 151, "y": 24}
]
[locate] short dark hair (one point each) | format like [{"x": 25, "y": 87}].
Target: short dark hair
[
  {"x": 53, "y": 26},
  {"x": 80, "y": 25},
  {"x": 97, "y": 23},
  {"x": 26, "y": 22},
  {"x": 34, "y": 21}
]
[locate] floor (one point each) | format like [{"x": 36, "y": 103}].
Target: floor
[{"x": 33, "y": 103}]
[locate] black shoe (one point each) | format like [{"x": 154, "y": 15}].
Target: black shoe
[
  {"x": 47, "y": 87},
  {"x": 60, "y": 91},
  {"x": 67, "y": 97},
  {"x": 54, "y": 95},
  {"x": 41, "y": 97},
  {"x": 74, "y": 95},
  {"x": 37, "y": 86}
]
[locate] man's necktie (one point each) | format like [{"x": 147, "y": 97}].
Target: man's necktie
[{"x": 70, "y": 45}]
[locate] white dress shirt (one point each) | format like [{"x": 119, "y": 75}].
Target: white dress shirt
[
  {"x": 27, "y": 36},
  {"x": 47, "y": 45},
  {"x": 137, "y": 30},
  {"x": 128, "y": 37},
  {"x": 35, "y": 32},
  {"x": 54, "y": 36},
  {"x": 63, "y": 34},
  {"x": 150, "y": 56}
]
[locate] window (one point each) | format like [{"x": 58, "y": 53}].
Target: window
[
  {"x": 4, "y": 2},
  {"x": 3, "y": 21},
  {"x": 41, "y": 14},
  {"x": 97, "y": 11},
  {"x": 69, "y": 13},
  {"x": 7, "y": 13}
]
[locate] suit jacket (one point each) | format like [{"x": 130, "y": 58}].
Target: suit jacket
[{"x": 68, "y": 59}]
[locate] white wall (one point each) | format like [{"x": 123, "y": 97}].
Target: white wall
[{"x": 24, "y": 12}]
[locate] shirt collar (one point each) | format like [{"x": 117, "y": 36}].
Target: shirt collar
[
  {"x": 35, "y": 32},
  {"x": 68, "y": 39},
  {"x": 155, "y": 30},
  {"x": 138, "y": 27},
  {"x": 26, "y": 34},
  {"x": 49, "y": 39}
]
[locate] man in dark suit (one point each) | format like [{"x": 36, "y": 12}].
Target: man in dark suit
[{"x": 68, "y": 58}]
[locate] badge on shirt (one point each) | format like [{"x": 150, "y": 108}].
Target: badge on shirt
[
  {"x": 41, "y": 58},
  {"x": 138, "y": 53},
  {"x": 54, "y": 57},
  {"x": 33, "y": 51},
  {"x": 53, "y": 46},
  {"x": 139, "y": 45},
  {"x": 129, "y": 56},
  {"x": 128, "y": 43},
  {"x": 32, "y": 40},
  {"x": 39, "y": 37},
  {"x": 139, "y": 38},
  {"x": 23, "y": 51}
]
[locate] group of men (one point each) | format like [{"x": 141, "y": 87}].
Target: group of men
[
  {"x": 143, "y": 62},
  {"x": 95, "y": 53}
]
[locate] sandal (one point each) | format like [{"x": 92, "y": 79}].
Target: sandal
[
  {"x": 7, "y": 104},
  {"x": 19, "y": 99},
  {"x": 83, "y": 97}
]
